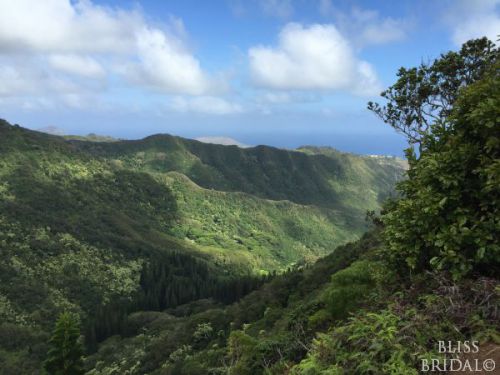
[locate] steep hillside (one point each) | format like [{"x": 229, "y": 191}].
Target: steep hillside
[
  {"x": 103, "y": 229},
  {"x": 272, "y": 207},
  {"x": 426, "y": 274},
  {"x": 269, "y": 235},
  {"x": 77, "y": 235},
  {"x": 347, "y": 314},
  {"x": 339, "y": 181},
  {"x": 266, "y": 330}
]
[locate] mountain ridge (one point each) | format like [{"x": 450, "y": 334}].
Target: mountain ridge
[{"x": 103, "y": 229}]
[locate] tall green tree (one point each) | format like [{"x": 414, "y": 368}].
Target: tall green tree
[
  {"x": 448, "y": 217},
  {"x": 65, "y": 356}
]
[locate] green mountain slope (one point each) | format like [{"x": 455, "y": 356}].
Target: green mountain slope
[
  {"x": 322, "y": 199},
  {"x": 268, "y": 234},
  {"x": 103, "y": 229},
  {"x": 426, "y": 274},
  {"x": 78, "y": 235},
  {"x": 273, "y": 324},
  {"x": 339, "y": 181},
  {"x": 347, "y": 314}
]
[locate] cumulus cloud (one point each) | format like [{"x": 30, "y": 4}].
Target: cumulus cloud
[
  {"x": 65, "y": 44},
  {"x": 316, "y": 57},
  {"x": 80, "y": 65},
  {"x": 62, "y": 26},
  {"x": 14, "y": 81},
  {"x": 164, "y": 63},
  {"x": 205, "y": 104},
  {"x": 21, "y": 78},
  {"x": 474, "y": 19}
]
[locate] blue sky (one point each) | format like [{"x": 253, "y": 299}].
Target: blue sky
[{"x": 278, "y": 72}]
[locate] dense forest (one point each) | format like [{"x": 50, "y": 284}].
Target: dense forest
[
  {"x": 101, "y": 229},
  {"x": 169, "y": 256}
]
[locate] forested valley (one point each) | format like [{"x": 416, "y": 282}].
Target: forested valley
[{"x": 169, "y": 256}]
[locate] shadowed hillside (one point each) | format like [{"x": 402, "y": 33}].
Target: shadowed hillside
[
  {"x": 103, "y": 229},
  {"x": 336, "y": 180}
]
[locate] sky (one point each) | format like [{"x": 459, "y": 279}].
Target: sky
[{"x": 284, "y": 73}]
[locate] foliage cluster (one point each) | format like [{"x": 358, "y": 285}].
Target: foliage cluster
[{"x": 449, "y": 215}]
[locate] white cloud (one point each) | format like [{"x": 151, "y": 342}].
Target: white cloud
[
  {"x": 80, "y": 65},
  {"x": 24, "y": 78},
  {"x": 473, "y": 19},
  {"x": 205, "y": 104},
  {"x": 165, "y": 64},
  {"x": 366, "y": 27},
  {"x": 317, "y": 57},
  {"x": 277, "y": 8},
  {"x": 13, "y": 81},
  {"x": 383, "y": 31},
  {"x": 62, "y": 26},
  {"x": 65, "y": 43}
]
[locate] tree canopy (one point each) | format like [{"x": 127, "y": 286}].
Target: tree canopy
[
  {"x": 424, "y": 96},
  {"x": 448, "y": 217}
]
